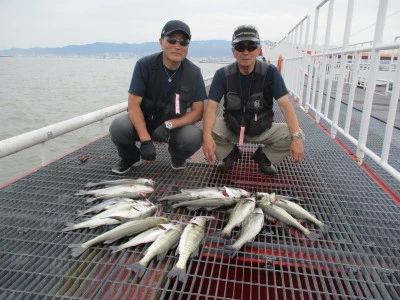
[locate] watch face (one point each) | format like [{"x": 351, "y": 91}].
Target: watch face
[{"x": 168, "y": 125}]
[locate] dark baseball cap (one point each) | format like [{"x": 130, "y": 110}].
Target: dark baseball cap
[
  {"x": 245, "y": 34},
  {"x": 175, "y": 25}
]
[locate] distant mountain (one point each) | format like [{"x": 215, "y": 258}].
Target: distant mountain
[{"x": 198, "y": 49}]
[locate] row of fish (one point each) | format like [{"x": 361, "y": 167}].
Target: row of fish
[{"x": 124, "y": 204}]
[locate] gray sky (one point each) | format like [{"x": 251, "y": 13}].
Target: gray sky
[{"x": 57, "y": 23}]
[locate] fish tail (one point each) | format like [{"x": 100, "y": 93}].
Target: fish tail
[
  {"x": 226, "y": 233},
  {"x": 90, "y": 184},
  {"x": 90, "y": 200},
  {"x": 80, "y": 213},
  {"x": 69, "y": 226},
  {"x": 76, "y": 249},
  {"x": 80, "y": 193},
  {"x": 138, "y": 268},
  {"x": 232, "y": 251},
  {"x": 313, "y": 235},
  {"x": 114, "y": 249},
  {"x": 177, "y": 272}
]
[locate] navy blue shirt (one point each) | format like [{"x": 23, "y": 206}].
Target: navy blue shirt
[
  {"x": 274, "y": 86},
  {"x": 140, "y": 78}
]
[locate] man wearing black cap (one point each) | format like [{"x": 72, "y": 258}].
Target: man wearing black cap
[
  {"x": 166, "y": 97},
  {"x": 249, "y": 87}
]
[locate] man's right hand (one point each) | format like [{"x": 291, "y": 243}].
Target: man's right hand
[
  {"x": 209, "y": 148},
  {"x": 148, "y": 152}
]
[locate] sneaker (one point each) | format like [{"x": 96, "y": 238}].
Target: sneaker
[
  {"x": 178, "y": 165},
  {"x": 227, "y": 163},
  {"x": 264, "y": 163},
  {"x": 124, "y": 166}
]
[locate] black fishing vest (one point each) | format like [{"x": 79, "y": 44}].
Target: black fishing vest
[
  {"x": 156, "y": 110},
  {"x": 251, "y": 111}
]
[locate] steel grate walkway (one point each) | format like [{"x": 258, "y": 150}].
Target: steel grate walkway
[{"x": 358, "y": 257}]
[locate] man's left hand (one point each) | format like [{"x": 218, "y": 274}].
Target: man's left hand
[{"x": 160, "y": 134}]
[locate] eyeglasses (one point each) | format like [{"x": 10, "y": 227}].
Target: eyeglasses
[
  {"x": 249, "y": 47},
  {"x": 173, "y": 41}
]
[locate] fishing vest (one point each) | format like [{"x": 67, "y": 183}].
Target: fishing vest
[
  {"x": 251, "y": 111},
  {"x": 153, "y": 107}
]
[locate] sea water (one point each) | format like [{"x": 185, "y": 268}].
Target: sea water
[{"x": 39, "y": 91}]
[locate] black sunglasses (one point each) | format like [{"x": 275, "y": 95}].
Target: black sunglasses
[
  {"x": 173, "y": 41},
  {"x": 250, "y": 47}
]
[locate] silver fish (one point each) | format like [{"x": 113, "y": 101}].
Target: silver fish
[
  {"x": 207, "y": 203},
  {"x": 126, "y": 229},
  {"x": 251, "y": 227},
  {"x": 91, "y": 224},
  {"x": 208, "y": 192},
  {"x": 105, "y": 205},
  {"x": 129, "y": 191},
  {"x": 127, "y": 211},
  {"x": 159, "y": 248},
  {"x": 145, "y": 237},
  {"x": 274, "y": 213},
  {"x": 124, "y": 181},
  {"x": 188, "y": 246},
  {"x": 295, "y": 210},
  {"x": 238, "y": 214}
]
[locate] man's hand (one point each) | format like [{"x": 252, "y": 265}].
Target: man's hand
[
  {"x": 148, "y": 152},
  {"x": 161, "y": 134},
  {"x": 209, "y": 148},
  {"x": 296, "y": 150}
]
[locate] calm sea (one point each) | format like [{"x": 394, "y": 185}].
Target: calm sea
[{"x": 36, "y": 92}]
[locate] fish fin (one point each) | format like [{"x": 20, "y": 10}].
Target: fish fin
[
  {"x": 114, "y": 249},
  {"x": 269, "y": 218},
  {"x": 314, "y": 235},
  {"x": 80, "y": 193},
  {"x": 76, "y": 249},
  {"x": 177, "y": 272},
  {"x": 80, "y": 213},
  {"x": 69, "y": 226},
  {"x": 90, "y": 184},
  {"x": 138, "y": 268},
  {"x": 191, "y": 208},
  {"x": 111, "y": 241}
]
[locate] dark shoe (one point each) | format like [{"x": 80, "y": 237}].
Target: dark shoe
[
  {"x": 262, "y": 160},
  {"x": 227, "y": 163},
  {"x": 178, "y": 165},
  {"x": 124, "y": 166}
]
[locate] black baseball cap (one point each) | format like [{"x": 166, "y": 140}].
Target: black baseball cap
[
  {"x": 245, "y": 33},
  {"x": 175, "y": 25}
]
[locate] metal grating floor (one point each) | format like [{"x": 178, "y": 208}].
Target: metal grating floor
[{"x": 358, "y": 257}]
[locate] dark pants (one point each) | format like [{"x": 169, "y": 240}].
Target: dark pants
[{"x": 183, "y": 142}]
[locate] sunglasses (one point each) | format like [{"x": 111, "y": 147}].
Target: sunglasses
[
  {"x": 249, "y": 47},
  {"x": 173, "y": 41}
]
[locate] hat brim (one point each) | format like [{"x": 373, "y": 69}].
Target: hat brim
[
  {"x": 177, "y": 30},
  {"x": 245, "y": 39}
]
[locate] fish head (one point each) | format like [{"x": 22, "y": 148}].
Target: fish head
[{"x": 200, "y": 220}]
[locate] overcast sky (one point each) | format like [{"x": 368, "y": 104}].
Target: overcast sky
[{"x": 58, "y": 23}]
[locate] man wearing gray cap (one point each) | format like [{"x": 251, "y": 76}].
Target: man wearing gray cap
[
  {"x": 249, "y": 87},
  {"x": 166, "y": 97}
]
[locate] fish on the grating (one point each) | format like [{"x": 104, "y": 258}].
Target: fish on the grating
[
  {"x": 207, "y": 192},
  {"x": 188, "y": 246},
  {"x": 129, "y": 191},
  {"x": 294, "y": 209},
  {"x": 128, "y": 211},
  {"x": 167, "y": 240},
  {"x": 206, "y": 203},
  {"x": 125, "y": 181},
  {"x": 147, "y": 236},
  {"x": 109, "y": 204},
  {"x": 91, "y": 224},
  {"x": 275, "y": 213},
  {"x": 251, "y": 227},
  {"x": 126, "y": 229},
  {"x": 238, "y": 214}
]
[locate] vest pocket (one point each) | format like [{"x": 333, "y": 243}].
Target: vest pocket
[
  {"x": 234, "y": 102},
  {"x": 255, "y": 104}
]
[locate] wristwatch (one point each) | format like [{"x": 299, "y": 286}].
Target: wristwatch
[
  {"x": 298, "y": 135},
  {"x": 168, "y": 124}
]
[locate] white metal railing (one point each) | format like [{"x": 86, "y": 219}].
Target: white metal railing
[
  {"x": 320, "y": 67},
  {"x": 43, "y": 135}
]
